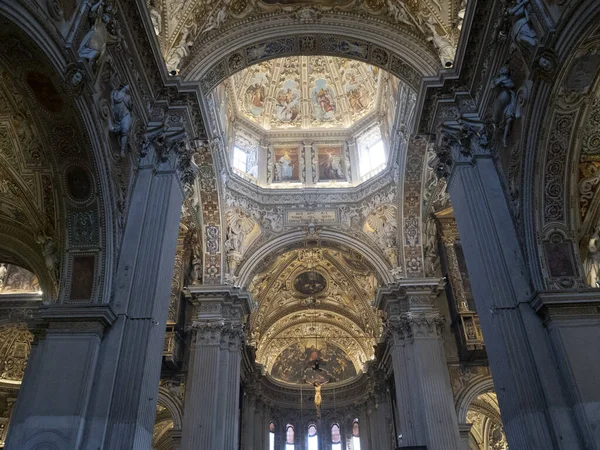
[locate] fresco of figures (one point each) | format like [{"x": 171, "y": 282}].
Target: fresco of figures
[
  {"x": 255, "y": 95},
  {"x": 287, "y": 105},
  {"x": 331, "y": 163},
  {"x": 296, "y": 363},
  {"x": 323, "y": 99},
  {"x": 286, "y": 164}
]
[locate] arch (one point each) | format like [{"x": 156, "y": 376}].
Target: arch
[
  {"x": 547, "y": 191},
  {"x": 50, "y": 56},
  {"x": 237, "y": 47},
  {"x": 465, "y": 398},
  {"x": 173, "y": 404},
  {"x": 382, "y": 267}
]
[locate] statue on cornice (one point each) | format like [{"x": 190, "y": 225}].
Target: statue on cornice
[
  {"x": 98, "y": 37},
  {"x": 504, "y": 108},
  {"x": 3, "y": 271},
  {"x": 51, "y": 256},
  {"x": 522, "y": 32},
  {"x": 176, "y": 55},
  {"x": 120, "y": 102},
  {"x": 444, "y": 45},
  {"x": 592, "y": 263}
]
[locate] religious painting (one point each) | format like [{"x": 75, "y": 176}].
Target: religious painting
[
  {"x": 356, "y": 93},
  {"x": 323, "y": 99},
  {"x": 255, "y": 95},
  {"x": 44, "y": 91},
  {"x": 310, "y": 283},
  {"x": 82, "y": 281},
  {"x": 286, "y": 164},
  {"x": 559, "y": 258},
  {"x": 331, "y": 163},
  {"x": 303, "y": 362},
  {"x": 287, "y": 102}
]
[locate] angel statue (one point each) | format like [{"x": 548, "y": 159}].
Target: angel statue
[
  {"x": 98, "y": 37},
  {"x": 522, "y": 32},
  {"x": 120, "y": 102},
  {"x": 504, "y": 108},
  {"x": 592, "y": 262}
]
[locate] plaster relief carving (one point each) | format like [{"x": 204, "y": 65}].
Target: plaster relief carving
[
  {"x": 94, "y": 43},
  {"x": 382, "y": 224},
  {"x": 242, "y": 230}
]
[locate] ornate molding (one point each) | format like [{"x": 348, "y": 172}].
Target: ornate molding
[{"x": 227, "y": 334}]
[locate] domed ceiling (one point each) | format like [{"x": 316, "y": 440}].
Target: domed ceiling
[
  {"x": 305, "y": 92},
  {"x": 314, "y": 320}
]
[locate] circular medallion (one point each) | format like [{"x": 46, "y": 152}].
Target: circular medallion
[
  {"x": 79, "y": 183},
  {"x": 310, "y": 283}
]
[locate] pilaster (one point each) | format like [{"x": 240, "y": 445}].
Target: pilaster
[
  {"x": 55, "y": 392},
  {"x": 211, "y": 416},
  {"x": 534, "y": 408},
  {"x": 424, "y": 399}
]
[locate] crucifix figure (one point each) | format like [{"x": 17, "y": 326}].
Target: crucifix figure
[{"x": 318, "y": 397}]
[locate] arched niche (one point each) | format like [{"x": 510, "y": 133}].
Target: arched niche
[
  {"x": 56, "y": 210},
  {"x": 552, "y": 185}
]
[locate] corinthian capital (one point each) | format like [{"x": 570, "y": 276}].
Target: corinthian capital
[
  {"x": 459, "y": 143},
  {"x": 414, "y": 326},
  {"x": 226, "y": 334}
]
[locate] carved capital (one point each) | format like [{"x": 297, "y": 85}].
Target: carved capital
[
  {"x": 76, "y": 318},
  {"x": 226, "y": 334},
  {"x": 410, "y": 326},
  {"x": 460, "y": 143}
]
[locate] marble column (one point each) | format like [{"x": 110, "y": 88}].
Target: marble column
[
  {"x": 211, "y": 416},
  {"x": 55, "y": 393},
  {"x": 424, "y": 399},
  {"x": 535, "y": 411},
  {"x": 129, "y": 369},
  {"x": 249, "y": 414}
]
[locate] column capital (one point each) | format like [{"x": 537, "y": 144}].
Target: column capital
[
  {"x": 216, "y": 302},
  {"x": 69, "y": 318},
  {"x": 408, "y": 295},
  {"x": 567, "y": 305},
  {"x": 168, "y": 148},
  {"x": 414, "y": 325},
  {"x": 460, "y": 143},
  {"x": 226, "y": 334}
]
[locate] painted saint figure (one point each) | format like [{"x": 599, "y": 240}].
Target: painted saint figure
[{"x": 284, "y": 168}]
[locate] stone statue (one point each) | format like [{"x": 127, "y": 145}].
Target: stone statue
[
  {"x": 50, "y": 253},
  {"x": 120, "y": 102},
  {"x": 155, "y": 17},
  {"x": 197, "y": 264},
  {"x": 98, "y": 37},
  {"x": 3, "y": 271},
  {"x": 217, "y": 19},
  {"x": 177, "y": 54},
  {"x": 592, "y": 263},
  {"x": 444, "y": 45},
  {"x": 284, "y": 168},
  {"x": 522, "y": 32},
  {"x": 504, "y": 108}
]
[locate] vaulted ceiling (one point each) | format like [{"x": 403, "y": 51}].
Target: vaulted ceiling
[
  {"x": 315, "y": 303},
  {"x": 305, "y": 92},
  {"x": 182, "y": 25}
]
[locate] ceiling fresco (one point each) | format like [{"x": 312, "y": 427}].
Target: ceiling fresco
[
  {"x": 314, "y": 303},
  {"x": 309, "y": 361},
  {"x": 183, "y": 26},
  {"x": 16, "y": 280},
  {"x": 305, "y": 92}
]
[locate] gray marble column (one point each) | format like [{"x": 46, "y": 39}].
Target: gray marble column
[
  {"x": 534, "y": 409},
  {"x": 54, "y": 397},
  {"x": 129, "y": 369},
  {"x": 249, "y": 413},
  {"x": 424, "y": 399},
  {"x": 211, "y": 416}
]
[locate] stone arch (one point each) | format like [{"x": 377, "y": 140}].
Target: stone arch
[
  {"x": 402, "y": 54},
  {"x": 173, "y": 404},
  {"x": 80, "y": 145},
  {"x": 550, "y": 194},
  {"x": 466, "y": 396},
  {"x": 381, "y": 266}
]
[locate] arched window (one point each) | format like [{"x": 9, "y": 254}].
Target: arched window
[
  {"x": 336, "y": 438},
  {"x": 271, "y": 436},
  {"x": 313, "y": 439},
  {"x": 355, "y": 435},
  {"x": 289, "y": 437}
]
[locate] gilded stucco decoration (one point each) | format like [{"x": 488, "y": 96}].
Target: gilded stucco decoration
[
  {"x": 15, "y": 345},
  {"x": 184, "y": 25},
  {"x": 314, "y": 303},
  {"x": 305, "y": 92}
]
